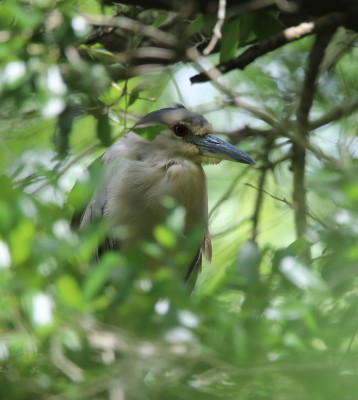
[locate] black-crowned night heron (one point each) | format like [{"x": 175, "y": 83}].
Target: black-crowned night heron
[{"x": 138, "y": 173}]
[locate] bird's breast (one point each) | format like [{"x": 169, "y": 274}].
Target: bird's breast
[
  {"x": 138, "y": 195},
  {"x": 187, "y": 183}
]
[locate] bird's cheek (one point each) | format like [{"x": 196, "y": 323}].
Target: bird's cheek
[
  {"x": 191, "y": 149},
  {"x": 210, "y": 160}
]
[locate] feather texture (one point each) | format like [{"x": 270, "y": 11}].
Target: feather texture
[
  {"x": 139, "y": 174},
  {"x": 137, "y": 177}
]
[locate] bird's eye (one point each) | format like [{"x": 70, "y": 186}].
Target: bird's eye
[{"x": 181, "y": 130}]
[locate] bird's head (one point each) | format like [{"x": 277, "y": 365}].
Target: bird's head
[{"x": 189, "y": 135}]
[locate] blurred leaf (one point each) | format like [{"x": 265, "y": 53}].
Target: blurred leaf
[
  {"x": 69, "y": 292},
  {"x": 149, "y": 132},
  {"x": 63, "y": 129},
  {"x": 301, "y": 276},
  {"x": 134, "y": 95},
  {"x": 20, "y": 241},
  {"x": 99, "y": 275},
  {"x": 104, "y": 130},
  {"x": 164, "y": 236},
  {"x": 248, "y": 263}
]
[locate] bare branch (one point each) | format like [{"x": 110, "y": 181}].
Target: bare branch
[
  {"x": 298, "y": 151},
  {"x": 258, "y": 204},
  {"x": 335, "y": 113},
  {"x": 310, "y": 83},
  {"x": 217, "y": 28},
  {"x": 248, "y": 132},
  {"x": 133, "y": 26},
  {"x": 232, "y": 97},
  {"x": 327, "y": 22}
]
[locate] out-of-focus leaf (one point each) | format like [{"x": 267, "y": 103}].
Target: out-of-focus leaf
[
  {"x": 164, "y": 236},
  {"x": 104, "y": 130},
  {"x": 300, "y": 275},
  {"x": 134, "y": 95},
  {"x": 63, "y": 129},
  {"x": 69, "y": 292},
  {"x": 149, "y": 132},
  {"x": 99, "y": 275},
  {"x": 20, "y": 241},
  {"x": 248, "y": 263}
]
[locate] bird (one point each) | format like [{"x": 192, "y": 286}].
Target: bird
[{"x": 161, "y": 157}]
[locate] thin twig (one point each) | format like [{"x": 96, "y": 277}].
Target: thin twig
[
  {"x": 350, "y": 344},
  {"x": 72, "y": 162},
  {"x": 335, "y": 113},
  {"x": 259, "y": 198},
  {"x": 232, "y": 97},
  {"x": 228, "y": 192},
  {"x": 133, "y": 26},
  {"x": 217, "y": 28},
  {"x": 229, "y": 229},
  {"x": 286, "y": 202}
]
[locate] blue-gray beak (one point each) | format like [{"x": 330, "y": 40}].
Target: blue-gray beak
[{"x": 212, "y": 146}]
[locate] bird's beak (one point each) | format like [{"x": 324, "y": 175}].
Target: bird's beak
[{"x": 212, "y": 146}]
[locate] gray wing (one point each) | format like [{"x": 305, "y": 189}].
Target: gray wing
[
  {"x": 95, "y": 211},
  {"x": 96, "y": 207},
  {"x": 195, "y": 267},
  {"x": 112, "y": 163}
]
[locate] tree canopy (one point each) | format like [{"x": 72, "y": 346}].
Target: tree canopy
[{"x": 274, "y": 316}]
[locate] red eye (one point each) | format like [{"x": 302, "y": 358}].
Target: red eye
[{"x": 180, "y": 130}]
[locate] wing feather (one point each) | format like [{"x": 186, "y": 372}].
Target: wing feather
[{"x": 195, "y": 266}]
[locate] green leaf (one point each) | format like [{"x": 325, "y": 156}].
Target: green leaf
[
  {"x": 149, "y": 132},
  {"x": 63, "y": 129},
  {"x": 69, "y": 293},
  {"x": 104, "y": 130},
  {"x": 196, "y": 25},
  {"x": 98, "y": 277},
  {"x": 20, "y": 240},
  {"x": 247, "y": 23},
  {"x": 61, "y": 137},
  {"x": 230, "y": 39},
  {"x": 164, "y": 236},
  {"x": 134, "y": 95},
  {"x": 267, "y": 25}
]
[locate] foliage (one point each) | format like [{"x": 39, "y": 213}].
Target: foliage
[{"x": 275, "y": 314}]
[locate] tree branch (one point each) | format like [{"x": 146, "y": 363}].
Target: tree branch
[
  {"x": 258, "y": 204},
  {"x": 298, "y": 151},
  {"x": 132, "y": 25},
  {"x": 217, "y": 28},
  {"x": 327, "y": 22},
  {"x": 335, "y": 113}
]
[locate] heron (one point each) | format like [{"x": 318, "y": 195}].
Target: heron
[{"x": 160, "y": 157}]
